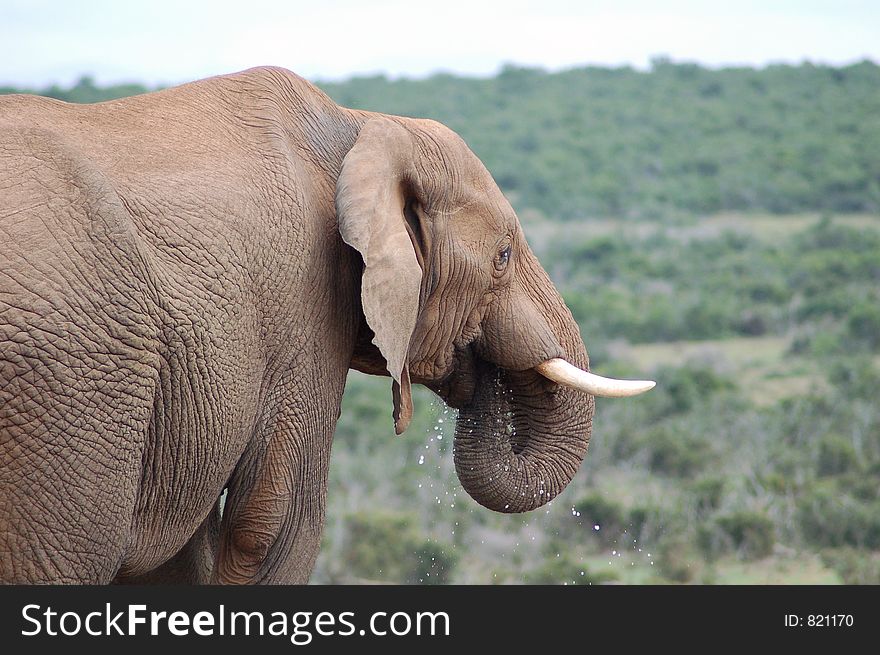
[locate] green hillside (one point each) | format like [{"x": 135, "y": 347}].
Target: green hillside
[{"x": 624, "y": 143}]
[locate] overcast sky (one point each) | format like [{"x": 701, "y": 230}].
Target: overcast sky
[{"x": 169, "y": 41}]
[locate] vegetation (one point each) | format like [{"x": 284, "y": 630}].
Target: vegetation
[
  {"x": 756, "y": 458},
  {"x": 623, "y": 143},
  {"x": 662, "y": 205},
  {"x": 84, "y": 90}
]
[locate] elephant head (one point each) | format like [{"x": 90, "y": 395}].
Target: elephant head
[{"x": 454, "y": 299}]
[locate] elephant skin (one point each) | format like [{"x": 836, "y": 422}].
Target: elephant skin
[{"x": 187, "y": 276}]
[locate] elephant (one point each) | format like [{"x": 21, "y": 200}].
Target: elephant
[{"x": 186, "y": 278}]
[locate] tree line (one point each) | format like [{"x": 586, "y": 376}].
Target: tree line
[{"x": 677, "y": 138}]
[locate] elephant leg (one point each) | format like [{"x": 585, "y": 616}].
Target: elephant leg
[
  {"x": 274, "y": 514},
  {"x": 193, "y": 564}
]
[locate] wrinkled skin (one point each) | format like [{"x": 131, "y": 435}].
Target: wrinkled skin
[{"x": 185, "y": 279}]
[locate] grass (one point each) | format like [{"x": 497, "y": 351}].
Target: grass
[
  {"x": 541, "y": 231},
  {"x": 800, "y": 569},
  {"x": 631, "y": 566},
  {"x": 762, "y": 366},
  {"x": 773, "y": 226},
  {"x": 674, "y": 474}
]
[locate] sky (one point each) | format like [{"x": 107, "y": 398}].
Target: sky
[{"x": 170, "y": 41}]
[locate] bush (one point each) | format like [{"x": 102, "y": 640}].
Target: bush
[
  {"x": 751, "y": 533},
  {"x": 863, "y": 324},
  {"x": 685, "y": 387},
  {"x": 827, "y": 343},
  {"x": 824, "y": 301},
  {"x": 862, "y": 485},
  {"x": 853, "y": 566},
  {"x": 563, "y": 570},
  {"x": 836, "y": 455},
  {"x": 385, "y": 546},
  {"x": 646, "y": 522},
  {"x": 831, "y": 518},
  {"x": 678, "y": 561},
  {"x": 434, "y": 563},
  {"x": 677, "y": 455},
  {"x": 707, "y": 493},
  {"x": 855, "y": 378},
  {"x": 596, "y": 509},
  {"x": 625, "y": 445},
  {"x": 712, "y": 541}
]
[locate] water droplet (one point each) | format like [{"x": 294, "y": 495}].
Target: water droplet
[
  {"x": 421, "y": 461},
  {"x": 596, "y": 527}
]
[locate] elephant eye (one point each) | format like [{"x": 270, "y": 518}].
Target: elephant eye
[{"x": 502, "y": 259}]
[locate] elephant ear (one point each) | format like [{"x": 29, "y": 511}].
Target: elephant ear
[{"x": 371, "y": 196}]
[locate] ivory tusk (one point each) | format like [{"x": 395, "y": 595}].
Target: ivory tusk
[{"x": 561, "y": 372}]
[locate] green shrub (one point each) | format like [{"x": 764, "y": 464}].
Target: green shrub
[
  {"x": 863, "y": 324},
  {"x": 678, "y": 561},
  {"x": 564, "y": 570},
  {"x": 836, "y": 455},
  {"x": 686, "y": 387},
  {"x": 677, "y": 455},
  {"x": 773, "y": 291},
  {"x": 625, "y": 445},
  {"x": 825, "y": 234},
  {"x": 855, "y": 378},
  {"x": 707, "y": 493},
  {"x": 776, "y": 482},
  {"x": 827, "y": 343},
  {"x": 831, "y": 518},
  {"x": 378, "y": 546},
  {"x": 712, "y": 541},
  {"x": 386, "y": 546},
  {"x": 751, "y": 533},
  {"x": 824, "y": 301},
  {"x": 597, "y": 509},
  {"x": 863, "y": 485},
  {"x": 649, "y": 521},
  {"x": 434, "y": 563},
  {"x": 853, "y": 566}
]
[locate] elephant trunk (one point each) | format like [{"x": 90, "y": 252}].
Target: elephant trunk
[
  {"x": 518, "y": 444},
  {"x": 521, "y": 438}
]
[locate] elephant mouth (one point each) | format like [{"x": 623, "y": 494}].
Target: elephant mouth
[
  {"x": 499, "y": 406},
  {"x": 480, "y": 387},
  {"x": 458, "y": 387},
  {"x": 500, "y": 402}
]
